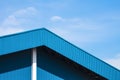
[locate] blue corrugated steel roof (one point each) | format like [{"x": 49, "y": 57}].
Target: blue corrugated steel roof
[{"x": 39, "y": 37}]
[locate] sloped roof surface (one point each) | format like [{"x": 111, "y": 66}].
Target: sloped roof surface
[{"x": 40, "y": 37}]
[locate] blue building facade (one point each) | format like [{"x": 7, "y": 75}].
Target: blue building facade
[{"x": 56, "y": 59}]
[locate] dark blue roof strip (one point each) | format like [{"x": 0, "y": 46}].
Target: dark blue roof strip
[{"x": 42, "y": 36}]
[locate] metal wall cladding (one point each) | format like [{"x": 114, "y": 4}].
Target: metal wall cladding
[
  {"x": 16, "y": 66},
  {"x": 19, "y": 74},
  {"x": 44, "y": 37},
  {"x": 54, "y": 64},
  {"x": 83, "y": 58},
  {"x": 44, "y": 75},
  {"x": 21, "y": 41}
]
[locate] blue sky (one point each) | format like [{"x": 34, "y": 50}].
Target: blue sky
[{"x": 93, "y": 25}]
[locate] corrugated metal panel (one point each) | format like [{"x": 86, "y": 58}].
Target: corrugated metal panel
[
  {"x": 83, "y": 58},
  {"x": 57, "y": 65},
  {"x": 22, "y": 41},
  {"x": 44, "y": 37},
  {"x": 16, "y": 66},
  {"x": 44, "y": 75},
  {"x": 19, "y": 74}
]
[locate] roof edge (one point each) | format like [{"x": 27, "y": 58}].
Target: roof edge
[
  {"x": 83, "y": 50},
  {"x": 17, "y": 33}
]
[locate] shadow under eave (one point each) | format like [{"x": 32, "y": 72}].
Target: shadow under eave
[
  {"x": 14, "y": 61},
  {"x": 54, "y": 63}
]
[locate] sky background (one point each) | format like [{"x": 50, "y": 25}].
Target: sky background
[{"x": 93, "y": 25}]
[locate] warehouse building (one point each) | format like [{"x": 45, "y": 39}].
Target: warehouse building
[{"x": 41, "y": 55}]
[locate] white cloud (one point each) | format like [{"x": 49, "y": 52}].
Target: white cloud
[
  {"x": 25, "y": 12},
  {"x": 76, "y": 30},
  {"x": 114, "y": 61},
  {"x": 56, "y": 18},
  {"x": 82, "y": 32},
  {"x": 17, "y": 21},
  {"x": 10, "y": 21}
]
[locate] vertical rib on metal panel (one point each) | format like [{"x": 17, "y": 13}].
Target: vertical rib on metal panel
[{"x": 20, "y": 42}]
